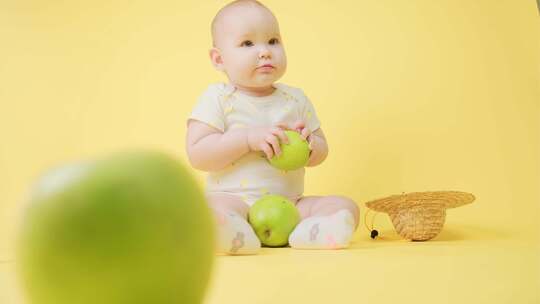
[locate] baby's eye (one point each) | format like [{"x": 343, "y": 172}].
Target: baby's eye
[
  {"x": 246, "y": 43},
  {"x": 273, "y": 41}
]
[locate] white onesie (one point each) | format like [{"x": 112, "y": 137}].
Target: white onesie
[{"x": 223, "y": 107}]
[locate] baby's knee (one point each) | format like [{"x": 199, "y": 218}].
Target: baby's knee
[
  {"x": 343, "y": 202},
  {"x": 347, "y": 203},
  {"x": 227, "y": 204}
]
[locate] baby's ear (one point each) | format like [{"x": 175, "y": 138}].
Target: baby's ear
[{"x": 215, "y": 57}]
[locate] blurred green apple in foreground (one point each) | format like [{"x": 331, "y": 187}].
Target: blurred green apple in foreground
[
  {"x": 294, "y": 155},
  {"x": 130, "y": 228},
  {"x": 273, "y": 217}
]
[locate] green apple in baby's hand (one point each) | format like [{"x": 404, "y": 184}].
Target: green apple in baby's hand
[
  {"x": 294, "y": 154},
  {"x": 273, "y": 217},
  {"x": 133, "y": 227}
]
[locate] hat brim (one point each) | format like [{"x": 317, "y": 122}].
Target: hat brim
[{"x": 445, "y": 199}]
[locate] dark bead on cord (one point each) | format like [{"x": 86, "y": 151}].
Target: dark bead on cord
[{"x": 374, "y": 233}]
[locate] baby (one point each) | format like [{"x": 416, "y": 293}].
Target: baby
[{"x": 236, "y": 127}]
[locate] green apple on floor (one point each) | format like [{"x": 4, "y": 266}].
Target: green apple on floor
[
  {"x": 133, "y": 227},
  {"x": 273, "y": 217},
  {"x": 295, "y": 154}
]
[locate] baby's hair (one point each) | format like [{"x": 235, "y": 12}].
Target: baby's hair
[{"x": 229, "y": 5}]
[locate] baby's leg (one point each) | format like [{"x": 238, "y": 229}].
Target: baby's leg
[
  {"x": 328, "y": 222},
  {"x": 234, "y": 233}
]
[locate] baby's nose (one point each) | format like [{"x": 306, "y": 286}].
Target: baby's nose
[{"x": 264, "y": 53}]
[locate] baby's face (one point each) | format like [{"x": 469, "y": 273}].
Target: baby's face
[{"x": 248, "y": 39}]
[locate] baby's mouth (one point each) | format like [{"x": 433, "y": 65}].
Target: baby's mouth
[{"x": 266, "y": 68}]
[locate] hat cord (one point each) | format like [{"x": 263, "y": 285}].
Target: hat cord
[{"x": 373, "y": 233}]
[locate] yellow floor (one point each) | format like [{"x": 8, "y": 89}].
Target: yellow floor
[{"x": 464, "y": 264}]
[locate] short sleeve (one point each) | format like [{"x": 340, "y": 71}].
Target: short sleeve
[
  {"x": 309, "y": 115},
  {"x": 208, "y": 108}
]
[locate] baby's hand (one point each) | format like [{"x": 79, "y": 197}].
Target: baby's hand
[
  {"x": 300, "y": 127},
  {"x": 266, "y": 139}
]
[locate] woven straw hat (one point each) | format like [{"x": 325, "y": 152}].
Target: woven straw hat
[{"x": 419, "y": 216}]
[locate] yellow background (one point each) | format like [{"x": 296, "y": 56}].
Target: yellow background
[{"x": 413, "y": 96}]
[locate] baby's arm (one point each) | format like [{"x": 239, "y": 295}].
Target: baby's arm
[
  {"x": 319, "y": 148},
  {"x": 209, "y": 149}
]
